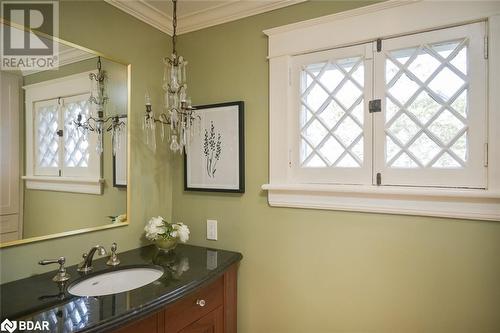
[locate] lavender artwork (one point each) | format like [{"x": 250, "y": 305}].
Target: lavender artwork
[{"x": 212, "y": 148}]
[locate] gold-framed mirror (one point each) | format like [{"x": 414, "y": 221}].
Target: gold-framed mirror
[{"x": 65, "y": 146}]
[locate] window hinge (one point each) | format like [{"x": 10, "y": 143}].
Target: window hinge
[
  {"x": 485, "y": 47},
  {"x": 60, "y": 173},
  {"x": 379, "y": 45},
  {"x": 289, "y": 158},
  {"x": 379, "y": 179},
  {"x": 486, "y": 154},
  {"x": 290, "y": 76},
  {"x": 375, "y": 105}
]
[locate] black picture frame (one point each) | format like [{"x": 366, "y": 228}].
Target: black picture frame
[{"x": 241, "y": 150}]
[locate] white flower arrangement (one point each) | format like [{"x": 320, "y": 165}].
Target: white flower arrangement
[{"x": 158, "y": 227}]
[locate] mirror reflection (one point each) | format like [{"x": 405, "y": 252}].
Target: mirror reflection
[{"x": 63, "y": 146}]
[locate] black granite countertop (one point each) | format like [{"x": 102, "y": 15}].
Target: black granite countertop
[{"x": 37, "y": 298}]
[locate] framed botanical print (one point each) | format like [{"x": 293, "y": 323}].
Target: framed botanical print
[{"x": 215, "y": 156}]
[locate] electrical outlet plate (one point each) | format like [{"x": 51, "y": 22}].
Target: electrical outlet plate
[{"x": 212, "y": 229}]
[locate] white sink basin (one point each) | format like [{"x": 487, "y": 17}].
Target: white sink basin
[{"x": 117, "y": 281}]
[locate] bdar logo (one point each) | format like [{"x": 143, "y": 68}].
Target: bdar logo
[{"x": 8, "y": 326}]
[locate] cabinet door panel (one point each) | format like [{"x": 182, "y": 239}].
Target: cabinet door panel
[
  {"x": 188, "y": 309},
  {"x": 210, "y": 323},
  {"x": 151, "y": 324}
]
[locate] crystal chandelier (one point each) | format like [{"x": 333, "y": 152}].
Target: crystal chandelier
[
  {"x": 97, "y": 120},
  {"x": 179, "y": 115}
]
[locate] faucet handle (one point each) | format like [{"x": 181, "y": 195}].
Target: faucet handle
[
  {"x": 61, "y": 275},
  {"x": 113, "y": 258}
]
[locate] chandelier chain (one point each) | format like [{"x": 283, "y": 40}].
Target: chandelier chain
[{"x": 174, "y": 23}]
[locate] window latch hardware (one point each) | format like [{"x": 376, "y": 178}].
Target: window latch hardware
[
  {"x": 375, "y": 105},
  {"x": 379, "y": 179},
  {"x": 379, "y": 45},
  {"x": 60, "y": 133}
]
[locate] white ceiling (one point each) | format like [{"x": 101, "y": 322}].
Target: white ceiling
[{"x": 195, "y": 14}]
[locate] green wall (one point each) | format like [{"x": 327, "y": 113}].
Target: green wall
[
  {"x": 303, "y": 270},
  {"x": 101, "y": 27},
  {"x": 44, "y": 211},
  {"x": 327, "y": 271}
]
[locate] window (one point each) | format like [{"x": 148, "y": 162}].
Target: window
[
  {"x": 60, "y": 148},
  {"x": 58, "y": 155},
  {"x": 432, "y": 130},
  {"x": 401, "y": 118},
  {"x": 431, "y": 127},
  {"x": 334, "y": 133}
]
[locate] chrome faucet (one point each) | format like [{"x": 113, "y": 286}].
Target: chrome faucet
[{"x": 86, "y": 265}]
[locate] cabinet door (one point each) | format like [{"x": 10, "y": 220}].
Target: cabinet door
[
  {"x": 151, "y": 324},
  {"x": 213, "y": 322}
]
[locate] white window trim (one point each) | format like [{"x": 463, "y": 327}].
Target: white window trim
[
  {"x": 64, "y": 184},
  {"x": 71, "y": 85},
  {"x": 405, "y": 17}
]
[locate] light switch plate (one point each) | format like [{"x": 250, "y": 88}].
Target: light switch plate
[{"x": 212, "y": 229}]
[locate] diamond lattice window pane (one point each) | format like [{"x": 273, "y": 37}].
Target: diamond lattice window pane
[
  {"x": 460, "y": 148},
  {"x": 424, "y": 107},
  {"x": 404, "y": 161},
  {"x": 460, "y": 104},
  {"x": 390, "y": 109},
  {"x": 332, "y": 121},
  {"x": 315, "y": 97},
  {"x": 424, "y": 149},
  {"x": 331, "y": 77},
  {"x": 404, "y": 128},
  {"x": 332, "y": 150},
  {"x": 332, "y": 114},
  {"x": 305, "y": 115},
  {"x": 391, "y": 148},
  {"x": 446, "y": 127},
  {"x": 446, "y": 161},
  {"x": 403, "y": 88},
  {"x": 348, "y": 64},
  {"x": 315, "y": 162},
  {"x": 402, "y": 56},
  {"x": 460, "y": 61},
  {"x": 446, "y": 84},
  {"x": 348, "y": 162},
  {"x": 445, "y": 49},
  {"x": 348, "y": 94},
  {"x": 358, "y": 149},
  {"x": 76, "y": 145},
  {"x": 432, "y": 130},
  {"x": 348, "y": 131},
  {"x": 423, "y": 65},
  {"x": 47, "y": 139},
  {"x": 315, "y": 132},
  {"x": 390, "y": 70}
]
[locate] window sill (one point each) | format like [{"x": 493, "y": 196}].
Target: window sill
[
  {"x": 452, "y": 203},
  {"x": 64, "y": 184}
]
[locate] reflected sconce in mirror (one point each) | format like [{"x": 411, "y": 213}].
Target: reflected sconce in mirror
[
  {"x": 97, "y": 120},
  {"x": 180, "y": 116}
]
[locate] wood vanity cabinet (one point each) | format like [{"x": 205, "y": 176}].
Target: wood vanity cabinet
[{"x": 209, "y": 309}]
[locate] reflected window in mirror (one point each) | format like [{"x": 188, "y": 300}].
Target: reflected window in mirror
[{"x": 57, "y": 183}]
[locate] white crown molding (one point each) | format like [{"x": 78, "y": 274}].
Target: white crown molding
[
  {"x": 339, "y": 16},
  {"x": 146, "y": 13},
  {"x": 67, "y": 55},
  {"x": 226, "y": 12}
]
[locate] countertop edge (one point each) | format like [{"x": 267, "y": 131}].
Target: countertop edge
[{"x": 160, "y": 302}]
